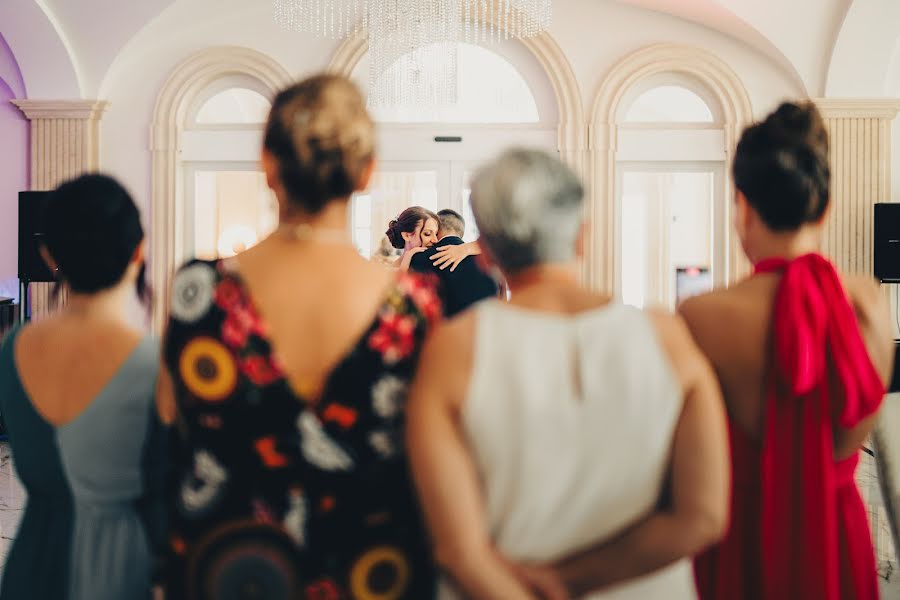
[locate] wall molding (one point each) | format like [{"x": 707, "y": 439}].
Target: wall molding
[
  {"x": 703, "y": 67},
  {"x": 65, "y": 143},
  {"x": 859, "y": 131},
  {"x": 876, "y": 108},
  {"x": 186, "y": 82},
  {"x": 62, "y": 109}
]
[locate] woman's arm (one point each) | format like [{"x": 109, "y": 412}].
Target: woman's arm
[
  {"x": 451, "y": 256},
  {"x": 445, "y": 474},
  {"x": 165, "y": 396},
  {"x": 876, "y": 327},
  {"x": 699, "y": 482},
  {"x": 406, "y": 257}
]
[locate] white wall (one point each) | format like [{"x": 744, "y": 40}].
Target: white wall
[
  {"x": 895, "y": 162},
  {"x": 593, "y": 35},
  {"x": 864, "y": 49},
  {"x": 47, "y": 67},
  {"x": 139, "y": 72}
]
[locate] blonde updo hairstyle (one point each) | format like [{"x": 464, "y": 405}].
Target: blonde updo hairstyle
[{"x": 323, "y": 140}]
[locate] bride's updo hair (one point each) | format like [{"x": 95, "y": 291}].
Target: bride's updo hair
[
  {"x": 407, "y": 222},
  {"x": 323, "y": 139},
  {"x": 781, "y": 166}
]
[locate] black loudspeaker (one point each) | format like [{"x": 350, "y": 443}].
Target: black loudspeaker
[
  {"x": 895, "y": 377},
  {"x": 887, "y": 242},
  {"x": 31, "y": 228}
]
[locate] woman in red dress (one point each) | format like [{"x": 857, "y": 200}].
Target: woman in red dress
[{"x": 802, "y": 353}]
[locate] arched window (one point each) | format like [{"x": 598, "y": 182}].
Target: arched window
[
  {"x": 668, "y": 104},
  {"x": 489, "y": 90},
  {"x": 227, "y": 205},
  {"x": 232, "y": 106},
  {"x": 427, "y": 154},
  {"x": 670, "y": 173}
]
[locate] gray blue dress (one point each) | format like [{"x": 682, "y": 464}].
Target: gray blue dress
[{"x": 93, "y": 515}]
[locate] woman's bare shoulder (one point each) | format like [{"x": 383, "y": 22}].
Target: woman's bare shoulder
[{"x": 864, "y": 291}]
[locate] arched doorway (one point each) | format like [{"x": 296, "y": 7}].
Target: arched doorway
[
  {"x": 634, "y": 132},
  {"x": 426, "y": 156},
  {"x": 206, "y": 134}
]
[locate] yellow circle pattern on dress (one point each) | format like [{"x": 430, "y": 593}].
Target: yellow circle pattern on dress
[
  {"x": 380, "y": 556},
  {"x": 207, "y": 369}
]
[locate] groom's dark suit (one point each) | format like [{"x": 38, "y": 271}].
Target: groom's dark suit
[{"x": 461, "y": 288}]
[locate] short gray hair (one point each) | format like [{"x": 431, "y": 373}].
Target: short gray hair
[{"x": 529, "y": 208}]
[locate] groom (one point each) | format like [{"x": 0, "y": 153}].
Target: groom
[{"x": 467, "y": 284}]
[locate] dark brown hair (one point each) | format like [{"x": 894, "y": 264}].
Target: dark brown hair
[
  {"x": 93, "y": 229},
  {"x": 407, "y": 222},
  {"x": 323, "y": 139},
  {"x": 781, "y": 166}
]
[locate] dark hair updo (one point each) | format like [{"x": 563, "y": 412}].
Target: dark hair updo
[
  {"x": 93, "y": 229},
  {"x": 407, "y": 222},
  {"x": 322, "y": 138},
  {"x": 781, "y": 166}
]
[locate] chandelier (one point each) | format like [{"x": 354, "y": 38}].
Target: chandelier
[{"x": 412, "y": 43}]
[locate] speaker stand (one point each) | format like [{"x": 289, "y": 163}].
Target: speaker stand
[{"x": 23, "y": 301}]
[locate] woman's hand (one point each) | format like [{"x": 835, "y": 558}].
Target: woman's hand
[
  {"x": 407, "y": 257},
  {"x": 543, "y": 581},
  {"x": 451, "y": 256}
]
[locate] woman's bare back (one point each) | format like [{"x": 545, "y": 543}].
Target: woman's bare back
[
  {"x": 733, "y": 328},
  {"x": 64, "y": 362},
  {"x": 317, "y": 300}
]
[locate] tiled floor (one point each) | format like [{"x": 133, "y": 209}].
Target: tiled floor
[{"x": 12, "y": 503}]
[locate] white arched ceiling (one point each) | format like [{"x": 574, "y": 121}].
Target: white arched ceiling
[
  {"x": 10, "y": 74},
  {"x": 46, "y": 64},
  {"x": 866, "y": 51},
  {"x": 771, "y": 28},
  {"x": 98, "y": 29}
]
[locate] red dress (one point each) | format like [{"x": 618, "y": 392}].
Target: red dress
[{"x": 798, "y": 524}]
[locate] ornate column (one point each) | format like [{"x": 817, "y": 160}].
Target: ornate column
[
  {"x": 860, "y": 147},
  {"x": 65, "y": 137}
]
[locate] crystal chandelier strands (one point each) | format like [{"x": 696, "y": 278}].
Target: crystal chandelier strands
[{"x": 412, "y": 43}]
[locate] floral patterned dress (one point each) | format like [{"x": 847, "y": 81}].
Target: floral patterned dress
[{"x": 276, "y": 497}]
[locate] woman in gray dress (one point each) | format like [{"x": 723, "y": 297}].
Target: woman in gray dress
[{"x": 76, "y": 392}]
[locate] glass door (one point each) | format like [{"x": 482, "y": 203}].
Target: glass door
[
  {"x": 227, "y": 209},
  {"x": 670, "y": 238},
  {"x": 460, "y": 191}
]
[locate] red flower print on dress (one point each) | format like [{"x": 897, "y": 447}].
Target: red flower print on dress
[
  {"x": 241, "y": 321},
  {"x": 323, "y": 589},
  {"x": 342, "y": 415},
  {"x": 228, "y": 294},
  {"x": 421, "y": 289},
  {"x": 271, "y": 457},
  {"x": 395, "y": 337},
  {"x": 233, "y": 334},
  {"x": 259, "y": 370}
]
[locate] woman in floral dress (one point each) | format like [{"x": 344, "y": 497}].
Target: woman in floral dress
[{"x": 286, "y": 375}]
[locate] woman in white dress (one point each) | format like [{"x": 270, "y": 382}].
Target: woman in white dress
[{"x": 563, "y": 444}]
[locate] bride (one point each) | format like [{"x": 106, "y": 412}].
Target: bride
[{"x": 413, "y": 231}]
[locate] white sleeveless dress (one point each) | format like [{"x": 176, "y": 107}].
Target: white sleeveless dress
[{"x": 570, "y": 421}]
